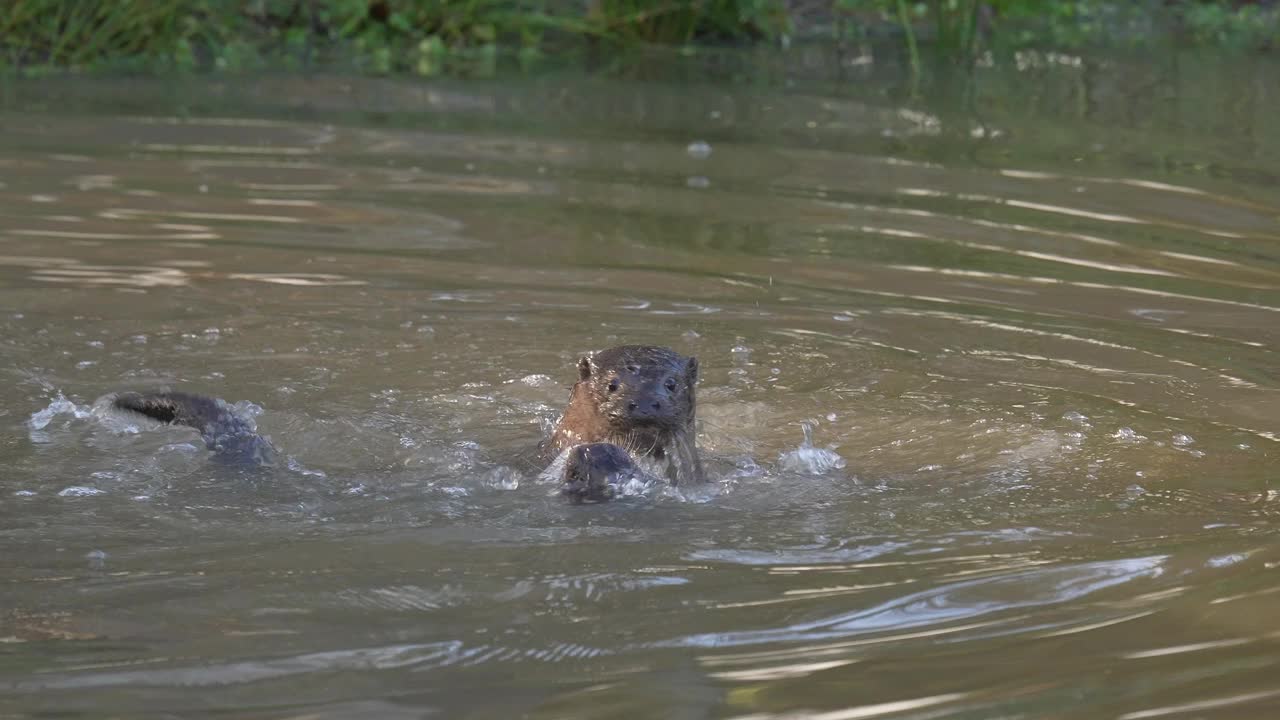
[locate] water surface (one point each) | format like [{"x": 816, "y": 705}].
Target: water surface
[{"x": 1031, "y": 339}]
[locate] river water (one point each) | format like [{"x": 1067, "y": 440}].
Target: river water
[{"x": 989, "y": 395}]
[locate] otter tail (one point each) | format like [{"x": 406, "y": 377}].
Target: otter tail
[{"x": 230, "y": 435}]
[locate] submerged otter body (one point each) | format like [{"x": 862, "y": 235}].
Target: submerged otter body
[
  {"x": 230, "y": 436},
  {"x": 640, "y": 398}
]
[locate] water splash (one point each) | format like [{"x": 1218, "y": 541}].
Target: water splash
[
  {"x": 59, "y": 406},
  {"x": 810, "y": 460}
]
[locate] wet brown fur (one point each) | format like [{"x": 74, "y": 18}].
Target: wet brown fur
[{"x": 640, "y": 398}]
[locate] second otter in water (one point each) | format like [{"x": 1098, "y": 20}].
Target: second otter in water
[
  {"x": 229, "y": 435},
  {"x": 593, "y": 471},
  {"x": 639, "y": 398}
]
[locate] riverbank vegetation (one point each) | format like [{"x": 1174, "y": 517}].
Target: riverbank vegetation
[{"x": 432, "y": 37}]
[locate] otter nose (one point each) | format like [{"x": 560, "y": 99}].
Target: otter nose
[
  {"x": 643, "y": 408},
  {"x": 633, "y": 406}
]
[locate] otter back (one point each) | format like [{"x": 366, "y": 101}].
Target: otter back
[
  {"x": 640, "y": 398},
  {"x": 231, "y": 436}
]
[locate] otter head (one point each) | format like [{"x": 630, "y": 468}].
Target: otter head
[
  {"x": 642, "y": 388},
  {"x": 592, "y": 470}
]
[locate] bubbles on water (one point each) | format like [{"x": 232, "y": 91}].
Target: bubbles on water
[
  {"x": 699, "y": 150},
  {"x": 690, "y": 335},
  {"x": 1127, "y": 434},
  {"x": 810, "y": 460},
  {"x": 297, "y": 467},
  {"x": 96, "y": 344},
  {"x": 537, "y": 380},
  {"x": 1077, "y": 418},
  {"x": 24, "y": 493},
  {"x": 1182, "y": 440},
  {"x": 84, "y": 364},
  {"x": 503, "y": 478},
  {"x": 97, "y": 559},
  {"x": 77, "y": 491}
]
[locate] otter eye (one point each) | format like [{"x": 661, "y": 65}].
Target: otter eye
[
  {"x": 613, "y": 385},
  {"x": 671, "y": 384}
]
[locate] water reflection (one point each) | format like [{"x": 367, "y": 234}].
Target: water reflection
[{"x": 1035, "y": 382}]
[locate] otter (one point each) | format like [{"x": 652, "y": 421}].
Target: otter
[
  {"x": 640, "y": 398},
  {"x": 230, "y": 436},
  {"x": 631, "y": 401},
  {"x": 592, "y": 471}
]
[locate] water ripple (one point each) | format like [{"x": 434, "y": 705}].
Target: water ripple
[{"x": 951, "y": 602}]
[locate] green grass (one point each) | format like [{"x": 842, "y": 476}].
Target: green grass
[{"x": 429, "y": 37}]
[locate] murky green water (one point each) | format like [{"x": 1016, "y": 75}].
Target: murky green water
[{"x": 1040, "y": 333}]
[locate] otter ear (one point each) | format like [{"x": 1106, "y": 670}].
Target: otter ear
[
  {"x": 584, "y": 367},
  {"x": 692, "y": 370}
]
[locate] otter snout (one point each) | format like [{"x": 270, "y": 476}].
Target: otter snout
[{"x": 649, "y": 405}]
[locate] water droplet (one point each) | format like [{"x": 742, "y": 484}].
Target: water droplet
[{"x": 699, "y": 150}]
